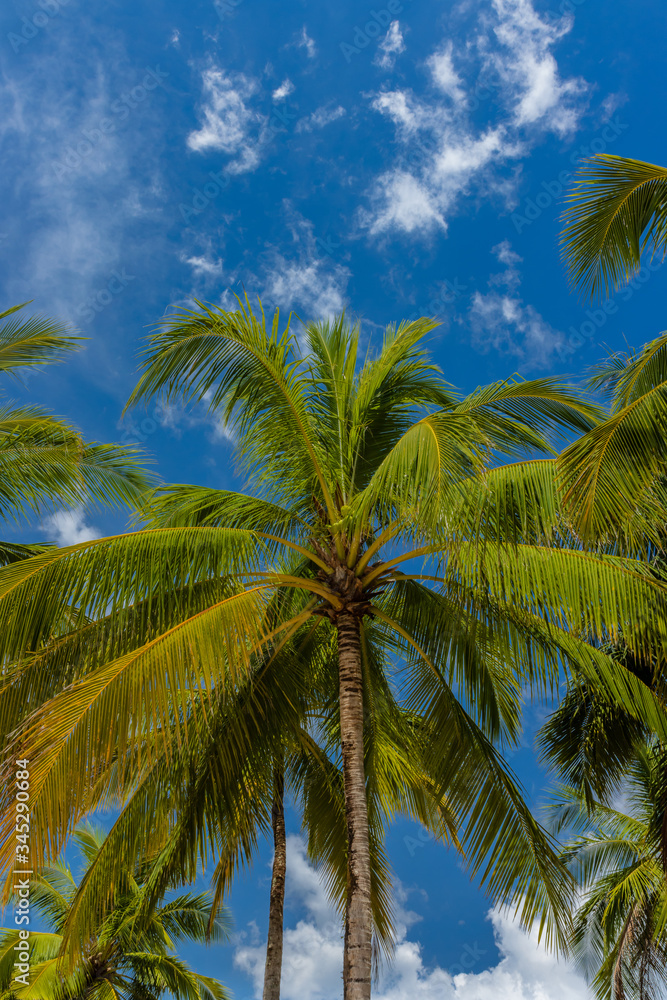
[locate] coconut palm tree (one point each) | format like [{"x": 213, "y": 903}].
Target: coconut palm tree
[
  {"x": 43, "y": 460},
  {"x": 617, "y": 210},
  {"x": 229, "y": 799},
  {"x": 383, "y": 485},
  {"x": 126, "y": 956},
  {"x": 620, "y": 932},
  {"x": 613, "y": 477}
]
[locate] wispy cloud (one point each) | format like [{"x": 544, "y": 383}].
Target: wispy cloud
[
  {"x": 390, "y": 47},
  {"x": 502, "y": 321},
  {"x": 308, "y": 279},
  {"x": 445, "y": 77},
  {"x": 284, "y": 90},
  {"x": 307, "y": 43},
  {"x": 320, "y": 118},
  {"x": 529, "y": 69},
  {"x": 204, "y": 265}
]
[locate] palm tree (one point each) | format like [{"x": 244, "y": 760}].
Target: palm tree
[
  {"x": 617, "y": 211},
  {"x": 613, "y": 478},
  {"x": 620, "y": 932},
  {"x": 43, "y": 460},
  {"x": 229, "y": 799},
  {"x": 126, "y": 956},
  {"x": 382, "y": 484}
]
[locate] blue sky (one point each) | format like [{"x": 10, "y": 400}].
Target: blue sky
[{"x": 396, "y": 159}]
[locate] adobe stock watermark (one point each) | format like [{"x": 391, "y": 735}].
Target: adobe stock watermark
[
  {"x": 22, "y": 872},
  {"x": 103, "y": 297},
  {"x": 73, "y": 156},
  {"x": 31, "y": 26},
  {"x": 468, "y": 959},
  {"x": 378, "y": 21},
  {"x": 450, "y": 291},
  {"x": 220, "y": 181},
  {"x": 225, "y": 8},
  {"x": 137, "y": 432},
  {"x": 565, "y": 7},
  {"x": 554, "y": 188},
  {"x": 597, "y": 318},
  {"x": 327, "y": 245}
]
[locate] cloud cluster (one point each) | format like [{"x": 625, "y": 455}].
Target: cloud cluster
[
  {"x": 230, "y": 124},
  {"x": 443, "y": 147},
  {"x": 313, "y": 955}
]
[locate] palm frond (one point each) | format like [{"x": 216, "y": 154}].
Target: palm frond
[{"x": 617, "y": 209}]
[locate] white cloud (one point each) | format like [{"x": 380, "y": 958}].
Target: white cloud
[
  {"x": 320, "y": 118},
  {"x": 284, "y": 90},
  {"x": 405, "y": 203},
  {"x": 313, "y": 955},
  {"x": 445, "y": 76},
  {"x": 69, "y": 527},
  {"x": 400, "y": 107},
  {"x": 391, "y": 46},
  {"x": 229, "y": 124},
  {"x": 309, "y": 281},
  {"x": 505, "y": 254},
  {"x": 531, "y": 70},
  {"x": 204, "y": 266},
  {"x": 307, "y": 287},
  {"x": 443, "y": 151},
  {"x": 419, "y": 199},
  {"x": 502, "y": 321},
  {"x": 307, "y": 43},
  {"x": 312, "y": 950}
]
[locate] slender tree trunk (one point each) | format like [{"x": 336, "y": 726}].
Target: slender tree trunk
[
  {"x": 274, "y": 947},
  {"x": 357, "y": 964}
]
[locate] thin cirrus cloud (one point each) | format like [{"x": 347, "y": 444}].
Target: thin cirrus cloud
[
  {"x": 311, "y": 279},
  {"x": 313, "y": 954},
  {"x": 306, "y": 42},
  {"x": 500, "y": 320},
  {"x": 320, "y": 118},
  {"x": 390, "y": 47},
  {"x": 443, "y": 150}
]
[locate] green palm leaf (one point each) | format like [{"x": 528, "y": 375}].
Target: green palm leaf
[{"x": 618, "y": 209}]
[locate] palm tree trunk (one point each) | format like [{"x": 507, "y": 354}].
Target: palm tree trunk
[
  {"x": 357, "y": 965},
  {"x": 274, "y": 947}
]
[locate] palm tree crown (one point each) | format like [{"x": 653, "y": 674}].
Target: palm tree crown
[
  {"x": 129, "y": 956},
  {"x": 377, "y": 507}
]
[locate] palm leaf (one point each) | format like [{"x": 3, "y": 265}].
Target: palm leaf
[{"x": 618, "y": 208}]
